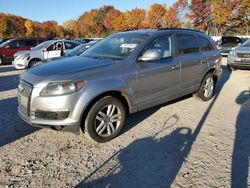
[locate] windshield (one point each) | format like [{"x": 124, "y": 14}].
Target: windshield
[
  {"x": 4, "y": 43},
  {"x": 247, "y": 43},
  {"x": 116, "y": 47},
  {"x": 41, "y": 45},
  {"x": 78, "y": 50}
]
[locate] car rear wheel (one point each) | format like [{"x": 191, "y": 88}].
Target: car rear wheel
[
  {"x": 33, "y": 62},
  {"x": 206, "y": 90},
  {"x": 105, "y": 119}
]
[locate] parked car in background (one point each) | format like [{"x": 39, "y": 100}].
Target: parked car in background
[
  {"x": 12, "y": 46},
  {"x": 123, "y": 73},
  {"x": 227, "y": 43},
  {"x": 46, "y": 50},
  {"x": 240, "y": 57},
  {"x": 75, "y": 51},
  {"x": 3, "y": 40}
]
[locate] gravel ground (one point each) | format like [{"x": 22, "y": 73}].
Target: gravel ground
[{"x": 185, "y": 143}]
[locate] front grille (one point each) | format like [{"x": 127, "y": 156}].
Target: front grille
[
  {"x": 24, "y": 95},
  {"x": 243, "y": 55},
  {"x": 58, "y": 115}
]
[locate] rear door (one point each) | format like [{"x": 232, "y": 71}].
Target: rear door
[{"x": 191, "y": 60}]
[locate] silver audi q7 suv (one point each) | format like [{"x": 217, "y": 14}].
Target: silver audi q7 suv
[{"x": 124, "y": 73}]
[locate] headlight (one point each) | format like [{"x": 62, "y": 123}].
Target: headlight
[
  {"x": 62, "y": 88},
  {"x": 25, "y": 56}
]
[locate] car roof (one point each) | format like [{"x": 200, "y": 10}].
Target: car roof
[{"x": 152, "y": 32}]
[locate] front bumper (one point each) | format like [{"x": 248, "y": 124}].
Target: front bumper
[
  {"x": 20, "y": 63},
  {"x": 62, "y": 113},
  {"x": 68, "y": 126},
  {"x": 240, "y": 63}
]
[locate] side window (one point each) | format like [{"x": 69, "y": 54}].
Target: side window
[
  {"x": 163, "y": 44},
  {"x": 205, "y": 44},
  {"x": 30, "y": 42},
  {"x": 55, "y": 46},
  {"x": 70, "y": 45},
  {"x": 15, "y": 44},
  {"x": 187, "y": 44}
]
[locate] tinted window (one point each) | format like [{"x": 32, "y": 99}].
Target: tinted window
[
  {"x": 55, "y": 46},
  {"x": 30, "y": 42},
  {"x": 205, "y": 44},
  {"x": 163, "y": 44},
  {"x": 187, "y": 44},
  {"x": 16, "y": 44},
  {"x": 70, "y": 45},
  {"x": 233, "y": 40}
]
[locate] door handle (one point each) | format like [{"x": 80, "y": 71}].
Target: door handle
[{"x": 175, "y": 67}]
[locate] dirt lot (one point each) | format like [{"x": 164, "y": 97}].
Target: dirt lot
[{"x": 185, "y": 143}]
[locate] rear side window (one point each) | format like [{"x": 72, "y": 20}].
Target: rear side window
[
  {"x": 16, "y": 44},
  {"x": 70, "y": 45},
  {"x": 30, "y": 42},
  {"x": 187, "y": 44},
  {"x": 205, "y": 44}
]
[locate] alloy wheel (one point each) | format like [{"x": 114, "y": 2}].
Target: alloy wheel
[{"x": 108, "y": 120}]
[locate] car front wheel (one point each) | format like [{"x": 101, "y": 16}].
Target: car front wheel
[
  {"x": 105, "y": 119},
  {"x": 206, "y": 90}
]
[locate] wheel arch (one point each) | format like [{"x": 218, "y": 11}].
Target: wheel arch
[
  {"x": 114, "y": 93},
  {"x": 32, "y": 59}
]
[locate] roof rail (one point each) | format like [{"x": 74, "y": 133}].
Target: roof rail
[{"x": 172, "y": 28}]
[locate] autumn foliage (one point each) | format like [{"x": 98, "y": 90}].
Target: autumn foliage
[{"x": 211, "y": 16}]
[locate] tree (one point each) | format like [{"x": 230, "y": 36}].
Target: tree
[
  {"x": 29, "y": 26},
  {"x": 110, "y": 19},
  {"x": 221, "y": 12},
  {"x": 69, "y": 27},
  {"x": 154, "y": 16},
  {"x": 200, "y": 14}
]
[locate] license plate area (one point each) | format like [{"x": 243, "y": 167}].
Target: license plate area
[{"x": 247, "y": 61}]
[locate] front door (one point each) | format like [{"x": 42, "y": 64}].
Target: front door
[
  {"x": 54, "y": 50},
  {"x": 160, "y": 78}
]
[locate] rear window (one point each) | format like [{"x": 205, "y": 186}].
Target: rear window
[
  {"x": 232, "y": 40},
  {"x": 205, "y": 44},
  {"x": 187, "y": 44}
]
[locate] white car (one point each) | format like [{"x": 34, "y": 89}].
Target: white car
[{"x": 44, "y": 51}]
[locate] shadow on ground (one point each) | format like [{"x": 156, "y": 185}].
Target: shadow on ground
[
  {"x": 152, "y": 161},
  {"x": 6, "y": 68},
  {"x": 241, "y": 151},
  {"x": 8, "y": 82}
]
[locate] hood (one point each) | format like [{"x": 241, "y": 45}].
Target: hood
[
  {"x": 242, "y": 49},
  {"x": 21, "y": 53},
  {"x": 71, "y": 68}
]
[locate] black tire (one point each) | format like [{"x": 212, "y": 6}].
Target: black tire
[
  {"x": 91, "y": 121},
  {"x": 33, "y": 62},
  {"x": 204, "y": 85}
]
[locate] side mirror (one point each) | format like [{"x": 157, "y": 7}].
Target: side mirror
[
  {"x": 150, "y": 55},
  {"x": 45, "y": 50},
  {"x": 7, "y": 46},
  {"x": 239, "y": 44}
]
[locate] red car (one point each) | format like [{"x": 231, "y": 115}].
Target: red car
[{"x": 10, "y": 47}]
